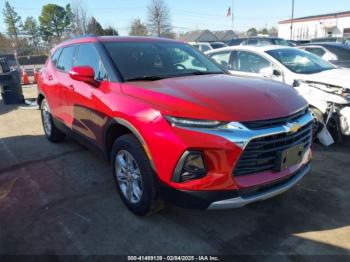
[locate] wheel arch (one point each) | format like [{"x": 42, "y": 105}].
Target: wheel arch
[
  {"x": 39, "y": 99},
  {"x": 117, "y": 127}
]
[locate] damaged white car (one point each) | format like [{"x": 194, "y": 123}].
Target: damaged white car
[{"x": 323, "y": 85}]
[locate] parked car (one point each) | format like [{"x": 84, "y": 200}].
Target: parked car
[
  {"x": 11, "y": 61},
  {"x": 297, "y": 42},
  {"x": 183, "y": 131},
  {"x": 336, "y": 53},
  {"x": 258, "y": 41},
  {"x": 342, "y": 40},
  {"x": 206, "y": 46},
  {"x": 323, "y": 85}
]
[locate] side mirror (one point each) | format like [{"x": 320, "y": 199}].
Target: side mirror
[
  {"x": 269, "y": 72},
  {"x": 266, "y": 72},
  {"x": 276, "y": 73},
  {"x": 84, "y": 74},
  {"x": 224, "y": 64}
]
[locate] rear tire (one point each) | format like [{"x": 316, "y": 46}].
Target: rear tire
[
  {"x": 52, "y": 133},
  {"x": 135, "y": 178}
]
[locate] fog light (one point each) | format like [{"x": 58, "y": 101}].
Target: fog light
[{"x": 190, "y": 166}]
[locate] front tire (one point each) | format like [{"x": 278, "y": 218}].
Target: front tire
[
  {"x": 135, "y": 179},
  {"x": 52, "y": 133}
]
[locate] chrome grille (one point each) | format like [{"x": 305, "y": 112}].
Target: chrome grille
[
  {"x": 275, "y": 122},
  {"x": 261, "y": 153}
]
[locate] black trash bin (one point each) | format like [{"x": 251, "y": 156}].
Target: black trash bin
[{"x": 10, "y": 85}]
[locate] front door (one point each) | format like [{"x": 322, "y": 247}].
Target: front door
[
  {"x": 245, "y": 63},
  {"x": 87, "y": 118},
  {"x": 63, "y": 67}
]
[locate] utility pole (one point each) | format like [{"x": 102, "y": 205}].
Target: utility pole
[
  {"x": 291, "y": 25},
  {"x": 232, "y": 15}
]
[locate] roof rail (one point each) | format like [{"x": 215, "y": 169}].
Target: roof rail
[
  {"x": 79, "y": 37},
  {"x": 83, "y": 36}
]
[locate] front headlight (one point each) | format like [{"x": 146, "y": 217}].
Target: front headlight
[{"x": 186, "y": 122}]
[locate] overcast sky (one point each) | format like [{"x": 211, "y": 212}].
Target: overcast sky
[{"x": 189, "y": 15}]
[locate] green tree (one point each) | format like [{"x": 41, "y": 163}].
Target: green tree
[
  {"x": 264, "y": 31},
  {"x": 110, "y": 31},
  {"x": 252, "y": 32},
  {"x": 138, "y": 28},
  {"x": 12, "y": 21},
  {"x": 54, "y": 21},
  {"x": 94, "y": 27},
  {"x": 31, "y": 29}
]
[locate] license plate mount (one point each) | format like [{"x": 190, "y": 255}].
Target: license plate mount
[{"x": 289, "y": 157}]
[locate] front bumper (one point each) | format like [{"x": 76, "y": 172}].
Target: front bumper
[
  {"x": 263, "y": 194},
  {"x": 226, "y": 199}
]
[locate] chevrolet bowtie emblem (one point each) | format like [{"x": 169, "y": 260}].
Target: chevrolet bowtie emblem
[{"x": 293, "y": 127}]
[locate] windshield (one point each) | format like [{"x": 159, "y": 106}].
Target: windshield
[
  {"x": 299, "y": 61},
  {"x": 157, "y": 60}
]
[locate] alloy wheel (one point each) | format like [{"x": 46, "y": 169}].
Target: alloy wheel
[
  {"x": 46, "y": 118},
  {"x": 128, "y": 176}
]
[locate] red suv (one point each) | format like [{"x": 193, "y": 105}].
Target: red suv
[{"x": 173, "y": 124}]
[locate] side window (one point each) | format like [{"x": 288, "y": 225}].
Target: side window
[
  {"x": 204, "y": 48},
  {"x": 196, "y": 46},
  {"x": 65, "y": 61},
  {"x": 87, "y": 56},
  {"x": 249, "y": 62},
  {"x": 55, "y": 56},
  {"x": 222, "y": 58},
  {"x": 316, "y": 51},
  {"x": 181, "y": 59}
]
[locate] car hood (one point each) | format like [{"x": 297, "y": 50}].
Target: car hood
[
  {"x": 218, "y": 97},
  {"x": 338, "y": 77}
]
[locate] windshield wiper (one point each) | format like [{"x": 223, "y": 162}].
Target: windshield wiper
[
  {"x": 146, "y": 78},
  {"x": 205, "y": 73}
]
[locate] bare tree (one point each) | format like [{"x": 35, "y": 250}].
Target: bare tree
[
  {"x": 80, "y": 18},
  {"x": 159, "y": 18}
]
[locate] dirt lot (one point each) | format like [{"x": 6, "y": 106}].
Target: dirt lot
[{"x": 60, "y": 199}]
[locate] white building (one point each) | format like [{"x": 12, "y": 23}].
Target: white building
[{"x": 306, "y": 28}]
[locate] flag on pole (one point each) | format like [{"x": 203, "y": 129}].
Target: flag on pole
[{"x": 228, "y": 12}]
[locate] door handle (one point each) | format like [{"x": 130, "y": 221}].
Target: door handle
[{"x": 71, "y": 87}]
